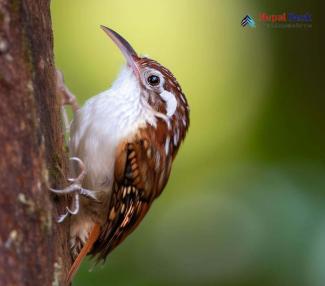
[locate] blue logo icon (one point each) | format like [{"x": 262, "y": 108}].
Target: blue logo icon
[{"x": 248, "y": 20}]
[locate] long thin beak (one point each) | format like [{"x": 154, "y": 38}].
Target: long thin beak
[{"x": 124, "y": 46}]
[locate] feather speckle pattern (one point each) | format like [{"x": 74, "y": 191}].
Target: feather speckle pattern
[{"x": 127, "y": 137}]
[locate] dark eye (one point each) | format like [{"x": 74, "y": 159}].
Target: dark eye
[{"x": 153, "y": 80}]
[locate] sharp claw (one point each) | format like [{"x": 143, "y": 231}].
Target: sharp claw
[
  {"x": 89, "y": 194},
  {"x": 70, "y": 189},
  {"x": 75, "y": 188},
  {"x": 77, "y": 202},
  {"x": 73, "y": 212},
  {"x": 67, "y": 97},
  {"x": 77, "y": 159},
  {"x": 69, "y": 211},
  {"x": 54, "y": 191},
  {"x": 82, "y": 168},
  {"x": 62, "y": 217}
]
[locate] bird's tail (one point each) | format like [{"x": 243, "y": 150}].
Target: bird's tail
[{"x": 93, "y": 236}]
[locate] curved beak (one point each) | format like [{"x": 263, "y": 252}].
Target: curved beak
[{"x": 126, "y": 49}]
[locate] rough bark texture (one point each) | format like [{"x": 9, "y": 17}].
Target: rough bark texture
[{"x": 33, "y": 247}]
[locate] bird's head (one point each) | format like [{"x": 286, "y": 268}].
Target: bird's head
[{"x": 158, "y": 87}]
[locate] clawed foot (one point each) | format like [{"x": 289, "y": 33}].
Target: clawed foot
[
  {"x": 67, "y": 97},
  {"x": 76, "y": 189}
]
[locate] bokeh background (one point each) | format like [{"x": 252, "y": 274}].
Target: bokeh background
[{"x": 245, "y": 201}]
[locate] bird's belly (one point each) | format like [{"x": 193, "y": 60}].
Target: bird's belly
[
  {"x": 97, "y": 150},
  {"x": 95, "y": 141}
]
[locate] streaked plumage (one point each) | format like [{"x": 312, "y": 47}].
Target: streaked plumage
[{"x": 127, "y": 138}]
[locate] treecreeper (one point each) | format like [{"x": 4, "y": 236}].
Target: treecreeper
[{"x": 123, "y": 142}]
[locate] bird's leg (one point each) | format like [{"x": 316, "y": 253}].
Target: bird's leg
[
  {"x": 76, "y": 189},
  {"x": 67, "y": 98}
]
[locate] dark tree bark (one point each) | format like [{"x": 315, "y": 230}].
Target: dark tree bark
[{"x": 33, "y": 247}]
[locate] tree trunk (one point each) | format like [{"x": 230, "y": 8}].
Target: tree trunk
[{"x": 33, "y": 247}]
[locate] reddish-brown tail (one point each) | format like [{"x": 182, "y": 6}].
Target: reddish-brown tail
[{"x": 93, "y": 236}]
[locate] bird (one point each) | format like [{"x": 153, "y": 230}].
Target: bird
[{"x": 124, "y": 141}]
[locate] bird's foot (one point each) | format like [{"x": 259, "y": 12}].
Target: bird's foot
[
  {"x": 76, "y": 189},
  {"x": 68, "y": 98}
]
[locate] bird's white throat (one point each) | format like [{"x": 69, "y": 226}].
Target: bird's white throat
[{"x": 104, "y": 121}]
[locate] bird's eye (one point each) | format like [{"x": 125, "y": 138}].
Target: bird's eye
[{"x": 153, "y": 80}]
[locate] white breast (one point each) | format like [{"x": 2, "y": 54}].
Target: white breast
[{"x": 103, "y": 122}]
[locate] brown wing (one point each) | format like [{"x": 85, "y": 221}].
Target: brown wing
[{"x": 141, "y": 173}]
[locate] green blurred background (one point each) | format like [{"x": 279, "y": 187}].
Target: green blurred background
[{"x": 245, "y": 201}]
